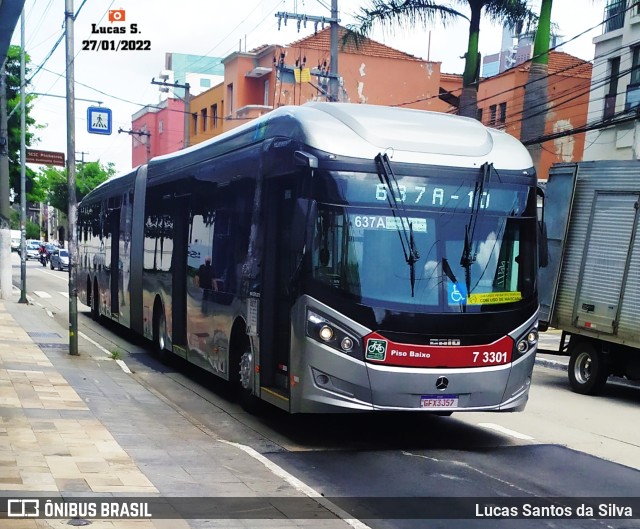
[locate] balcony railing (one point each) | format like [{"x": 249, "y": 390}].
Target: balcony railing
[{"x": 614, "y": 15}]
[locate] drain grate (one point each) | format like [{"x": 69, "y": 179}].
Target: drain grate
[
  {"x": 52, "y": 345},
  {"x": 39, "y": 334}
]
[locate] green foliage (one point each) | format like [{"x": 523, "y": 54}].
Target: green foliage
[
  {"x": 12, "y": 68},
  {"x": 88, "y": 176},
  {"x": 413, "y": 13},
  {"x": 32, "y": 229}
]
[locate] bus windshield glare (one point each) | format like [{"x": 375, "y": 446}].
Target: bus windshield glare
[{"x": 470, "y": 248}]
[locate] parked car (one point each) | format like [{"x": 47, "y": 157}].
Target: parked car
[
  {"x": 33, "y": 250},
  {"x": 59, "y": 259}
]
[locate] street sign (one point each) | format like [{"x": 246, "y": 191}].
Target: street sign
[
  {"x": 99, "y": 120},
  {"x": 45, "y": 157}
]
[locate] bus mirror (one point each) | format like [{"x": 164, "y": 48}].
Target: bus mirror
[
  {"x": 303, "y": 216},
  {"x": 304, "y": 159},
  {"x": 543, "y": 241},
  {"x": 543, "y": 245}
]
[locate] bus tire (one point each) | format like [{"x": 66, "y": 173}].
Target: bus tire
[
  {"x": 588, "y": 369},
  {"x": 242, "y": 370}
]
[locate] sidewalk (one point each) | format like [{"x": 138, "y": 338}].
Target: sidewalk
[{"x": 75, "y": 426}]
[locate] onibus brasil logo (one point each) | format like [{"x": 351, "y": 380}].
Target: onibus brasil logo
[{"x": 376, "y": 349}]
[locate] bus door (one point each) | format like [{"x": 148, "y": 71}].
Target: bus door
[
  {"x": 275, "y": 314},
  {"x": 115, "y": 263},
  {"x": 179, "y": 274}
]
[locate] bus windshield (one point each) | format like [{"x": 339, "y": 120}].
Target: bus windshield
[{"x": 468, "y": 261}]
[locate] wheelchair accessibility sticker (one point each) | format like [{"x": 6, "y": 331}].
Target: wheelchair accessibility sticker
[{"x": 457, "y": 293}]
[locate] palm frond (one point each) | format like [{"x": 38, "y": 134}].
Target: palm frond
[
  {"x": 404, "y": 13},
  {"x": 511, "y": 12}
]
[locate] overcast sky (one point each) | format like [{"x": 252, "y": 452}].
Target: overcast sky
[{"x": 121, "y": 80}]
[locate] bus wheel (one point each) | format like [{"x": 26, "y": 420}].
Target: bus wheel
[
  {"x": 588, "y": 371},
  {"x": 159, "y": 333},
  {"x": 247, "y": 399}
]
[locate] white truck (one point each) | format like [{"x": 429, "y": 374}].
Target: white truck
[{"x": 590, "y": 288}]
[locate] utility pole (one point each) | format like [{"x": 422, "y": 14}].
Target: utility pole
[
  {"x": 333, "y": 21},
  {"x": 187, "y": 104},
  {"x": 72, "y": 236},
  {"x": 333, "y": 79},
  {"x": 139, "y": 133},
  {"x": 23, "y": 171},
  {"x": 5, "y": 210}
]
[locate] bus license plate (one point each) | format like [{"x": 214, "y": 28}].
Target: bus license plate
[{"x": 438, "y": 401}]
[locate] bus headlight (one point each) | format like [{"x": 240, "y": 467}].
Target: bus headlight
[
  {"x": 325, "y": 330},
  {"x": 527, "y": 341},
  {"x": 326, "y": 333}
]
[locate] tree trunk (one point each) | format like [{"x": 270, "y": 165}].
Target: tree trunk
[
  {"x": 535, "y": 110},
  {"x": 536, "y": 98},
  {"x": 469, "y": 96},
  {"x": 469, "y": 102}
]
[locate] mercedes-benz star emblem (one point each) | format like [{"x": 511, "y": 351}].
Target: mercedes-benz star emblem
[{"x": 442, "y": 383}]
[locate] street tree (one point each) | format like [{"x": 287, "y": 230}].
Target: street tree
[
  {"x": 12, "y": 69},
  {"x": 88, "y": 176},
  {"x": 412, "y": 13},
  {"x": 537, "y": 93}
]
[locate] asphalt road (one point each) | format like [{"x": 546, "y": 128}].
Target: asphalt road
[{"x": 565, "y": 446}]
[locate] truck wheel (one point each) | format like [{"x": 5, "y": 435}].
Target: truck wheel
[{"x": 588, "y": 370}]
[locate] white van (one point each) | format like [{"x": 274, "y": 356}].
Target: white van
[{"x": 15, "y": 240}]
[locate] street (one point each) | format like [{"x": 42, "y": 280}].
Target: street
[{"x": 562, "y": 445}]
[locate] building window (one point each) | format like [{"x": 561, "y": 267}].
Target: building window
[
  {"x": 194, "y": 116},
  {"x": 230, "y": 98},
  {"x": 502, "y": 118},
  {"x": 614, "y": 15},
  {"x": 204, "y": 119},
  {"x": 610, "y": 97},
  {"x": 479, "y": 115},
  {"x": 214, "y": 116},
  {"x": 266, "y": 93},
  {"x": 160, "y": 127},
  {"x": 205, "y": 83},
  {"x": 635, "y": 66},
  {"x": 492, "y": 117}
]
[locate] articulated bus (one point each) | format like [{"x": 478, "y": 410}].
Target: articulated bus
[{"x": 330, "y": 257}]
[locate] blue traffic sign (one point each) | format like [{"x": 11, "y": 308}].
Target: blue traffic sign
[{"x": 99, "y": 120}]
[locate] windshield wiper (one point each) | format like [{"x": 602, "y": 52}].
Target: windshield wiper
[
  {"x": 469, "y": 256},
  {"x": 407, "y": 240}
]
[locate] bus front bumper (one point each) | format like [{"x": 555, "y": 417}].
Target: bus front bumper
[{"x": 336, "y": 383}]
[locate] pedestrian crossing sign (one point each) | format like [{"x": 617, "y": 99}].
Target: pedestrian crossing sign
[{"x": 99, "y": 120}]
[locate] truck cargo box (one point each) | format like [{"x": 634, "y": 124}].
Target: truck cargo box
[{"x": 591, "y": 286}]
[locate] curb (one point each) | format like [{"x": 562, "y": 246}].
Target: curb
[{"x": 553, "y": 364}]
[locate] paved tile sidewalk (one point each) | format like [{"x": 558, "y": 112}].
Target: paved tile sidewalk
[
  {"x": 84, "y": 427},
  {"x": 42, "y": 449}
]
